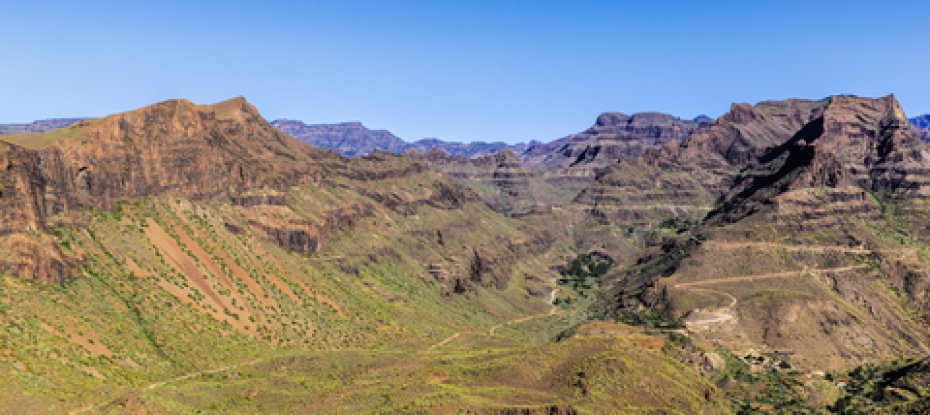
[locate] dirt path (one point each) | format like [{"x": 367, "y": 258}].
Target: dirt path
[
  {"x": 201, "y": 373},
  {"x": 155, "y": 385},
  {"x": 701, "y": 319},
  {"x": 789, "y": 247},
  {"x": 446, "y": 340},
  {"x": 765, "y": 276},
  {"x": 492, "y": 330},
  {"x": 551, "y": 311}
]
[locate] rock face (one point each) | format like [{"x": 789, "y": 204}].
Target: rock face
[
  {"x": 39, "y": 126},
  {"x": 352, "y": 139},
  {"x": 614, "y": 136},
  {"x": 796, "y": 255},
  {"x": 684, "y": 179},
  {"x": 173, "y": 147},
  {"x": 850, "y": 143},
  {"x": 504, "y": 183}
]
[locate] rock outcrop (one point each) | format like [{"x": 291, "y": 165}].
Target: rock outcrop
[
  {"x": 504, "y": 183},
  {"x": 684, "y": 179},
  {"x": 796, "y": 255},
  {"x": 614, "y": 136},
  {"x": 173, "y": 147}
]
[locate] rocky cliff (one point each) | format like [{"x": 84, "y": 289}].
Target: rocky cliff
[
  {"x": 799, "y": 254},
  {"x": 173, "y": 147},
  {"x": 613, "y": 136},
  {"x": 501, "y": 180},
  {"x": 684, "y": 179}
]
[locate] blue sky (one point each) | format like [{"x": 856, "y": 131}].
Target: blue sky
[{"x": 466, "y": 70}]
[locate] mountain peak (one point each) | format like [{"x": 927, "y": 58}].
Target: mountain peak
[{"x": 851, "y": 142}]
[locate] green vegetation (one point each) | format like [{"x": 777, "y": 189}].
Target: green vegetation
[
  {"x": 895, "y": 387},
  {"x": 185, "y": 306}
]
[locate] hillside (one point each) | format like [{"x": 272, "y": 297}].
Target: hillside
[
  {"x": 684, "y": 179},
  {"x": 150, "y": 254},
  {"x": 613, "y": 136},
  {"x": 814, "y": 250},
  {"x": 184, "y": 258}
]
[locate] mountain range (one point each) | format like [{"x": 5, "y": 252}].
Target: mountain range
[
  {"x": 184, "y": 258},
  {"x": 353, "y": 139}
]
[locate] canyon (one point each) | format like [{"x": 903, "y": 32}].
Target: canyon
[{"x": 179, "y": 258}]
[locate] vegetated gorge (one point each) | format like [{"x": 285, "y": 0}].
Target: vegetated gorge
[{"x": 184, "y": 258}]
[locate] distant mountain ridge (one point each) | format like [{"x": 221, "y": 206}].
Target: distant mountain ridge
[
  {"x": 921, "y": 126},
  {"x": 920, "y": 121},
  {"x": 353, "y": 139},
  {"x": 38, "y": 126}
]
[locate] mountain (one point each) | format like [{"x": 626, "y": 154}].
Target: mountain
[
  {"x": 920, "y": 121},
  {"x": 353, "y": 139},
  {"x": 183, "y": 258},
  {"x": 196, "y": 152},
  {"x": 614, "y": 136},
  {"x": 39, "y": 126},
  {"x": 350, "y": 138},
  {"x": 472, "y": 149},
  {"x": 921, "y": 126},
  {"x": 171, "y": 258},
  {"x": 683, "y": 179},
  {"x": 812, "y": 249},
  {"x": 501, "y": 180}
]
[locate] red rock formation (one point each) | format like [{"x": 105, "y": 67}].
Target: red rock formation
[{"x": 173, "y": 147}]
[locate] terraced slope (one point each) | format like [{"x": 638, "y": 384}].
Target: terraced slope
[
  {"x": 613, "y": 136},
  {"x": 501, "y": 180},
  {"x": 807, "y": 254},
  {"x": 684, "y": 179},
  {"x": 183, "y": 258}
]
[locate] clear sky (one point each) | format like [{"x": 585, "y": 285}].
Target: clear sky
[{"x": 459, "y": 70}]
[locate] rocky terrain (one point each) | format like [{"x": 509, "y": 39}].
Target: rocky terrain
[
  {"x": 683, "y": 179},
  {"x": 182, "y": 258},
  {"x": 470, "y": 149},
  {"x": 148, "y": 251},
  {"x": 353, "y": 139},
  {"x": 614, "y": 136},
  {"x": 500, "y": 179},
  {"x": 805, "y": 251},
  {"x": 39, "y": 126}
]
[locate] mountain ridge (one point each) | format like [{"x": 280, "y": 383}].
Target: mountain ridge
[{"x": 353, "y": 139}]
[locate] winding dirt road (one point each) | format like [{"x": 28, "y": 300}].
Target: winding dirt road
[
  {"x": 790, "y": 247},
  {"x": 701, "y": 319},
  {"x": 159, "y": 384},
  {"x": 492, "y": 330}
]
